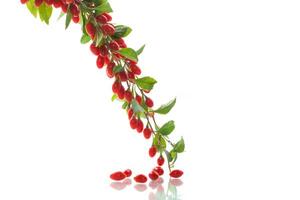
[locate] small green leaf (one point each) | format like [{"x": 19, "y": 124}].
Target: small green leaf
[
  {"x": 140, "y": 50},
  {"x": 31, "y": 7},
  {"x": 160, "y": 143},
  {"x": 61, "y": 15},
  {"x": 129, "y": 53},
  {"x": 146, "y": 83},
  {"x": 165, "y": 109},
  {"x": 103, "y": 8},
  {"x": 125, "y": 104},
  {"x": 179, "y": 146},
  {"x": 118, "y": 69},
  {"x": 114, "y": 97},
  {"x": 99, "y": 38},
  {"x": 68, "y": 19},
  {"x": 169, "y": 157},
  {"x": 167, "y": 128},
  {"x": 122, "y": 31},
  {"x": 85, "y": 39},
  {"x": 45, "y": 12},
  {"x": 136, "y": 107}
]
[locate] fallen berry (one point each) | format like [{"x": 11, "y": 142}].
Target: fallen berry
[
  {"x": 176, "y": 173},
  {"x": 153, "y": 175},
  {"x": 140, "y": 178},
  {"x": 127, "y": 172},
  {"x": 160, "y": 160},
  {"x": 117, "y": 176},
  {"x": 159, "y": 170},
  {"x": 152, "y": 151}
]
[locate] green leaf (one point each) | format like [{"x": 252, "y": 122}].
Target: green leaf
[
  {"x": 118, "y": 69},
  {"x": 146, "y": 83},
  {"x": 104, "y": 8},
  {"x": 136, "y": 107},
  {"x": 45, "y": 12},
  {"x": 114, "y": 97},
  {"x": 31, "y": 7},
  {"x": 167, "y": 128},
  {"x": 85, "y": 39},
  {"x": 129, "y": 53},
  {"x": 68, "y": 19},
  {"x": 122, "y": 31},
  {"x": 140, "y": 50},
  {"x": 179, "y": 146},
  {"x": 125, "y": 104},
  {"x": 99, "y": 38},
  {"x": 61, "y": 15},
  {"x": 169, "y": 157},
  {"x": 165, "y": 109},
  {"x": 160, "y": 143}
]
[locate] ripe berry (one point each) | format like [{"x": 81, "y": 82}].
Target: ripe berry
[
  {"x": 160, "y": 160},
  {"x": 121, "y": 92},
  {"x": 24, "y": 1},
  {"x": 176, "y": 173},
  {"x": 140, "y": 178},
  {"x": 102, "y": 19},
  {"x": 152, "y": 151},
  {"x": 149, "y": 102},
  {"x": 133, "y": 123},
  {"x": 49, "y": 2},
  {"x": 109, "y": 18},
  {"x": 109, "y": 70},
  {"x": 108, "y": 29},
  {"x": 147, "y": 133},
  {"x": 103, "y": 51},
  {"x": 57, "y": 3},
  {"x": 95, "y": 50},
  {"x": 122, "y": 76},
  {"x": 114, "y": 46},
  {"x": 153, "y": 175},
  {"x": 138, "y": 98},
  {"x": 135, "y": 69},
  {"x": 159, "y": 170},
  {"x": 38, "y": 3},
  {"x": 64, "y": 8},
  {"x": 130, "y": 113},
  {"x": 140, "y": 126},
  {"x": 100, "y": 62},
  {"x": 128, "y": 96},
  {"x": 116, "y": 87},
  {"x": 130, "y": 75},
  {"x": 91, "y": 30},
  {"x": 121, "y": 43},
  {"x": 74, "y": 10},
  {"x": 117, "y": 176},
  {"x": 75, "y": 19},
  {"x": 127, "y": 172}
]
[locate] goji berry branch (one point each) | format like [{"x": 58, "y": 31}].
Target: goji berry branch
[{"x": 121, "y": 65}]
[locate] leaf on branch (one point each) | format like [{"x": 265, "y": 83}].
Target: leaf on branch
[
  {"x": 167, "y": 128},
  {"x": 117, "y": 69},
  {"x": 68, "y": 19},
  {"x": 160, "y": 143},
  {"x": 140, "y": 50},
  {"x": 85, "y": 39},
  {"x": 103, "y": 8},
  {"x": 146, "y": 83},
  {"x": 122, "y": 31},
  {"x": 166, "y": 108},
  {"x": 129, "y": 53},
  {"x": 31, "y": 7},
  {"x": 45, "y": 12},
  {"x": 136, "y": 107},
  {"x": 179, "y": 146}
]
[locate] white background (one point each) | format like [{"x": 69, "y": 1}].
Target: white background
[{"x": 233, "y": 65}]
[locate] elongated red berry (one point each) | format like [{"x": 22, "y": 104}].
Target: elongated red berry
[
  {"x": 138, "y": 98},
  {"x": 153, "y": 175},
  {"x": 135, "y": 69},
  {"x": 130, "y": 75},
  {"x": 74, "y": 10},
  {"x": 122, "y": 76},
  {"x": 121, "y": 43},
  {"x": 140, "y": 126},
  {"x": 176, "y": 173},
  {"x": 116, "y": 87},
  {"x": 140, "y": 178},
  {"x": 76, "y": 19},
  {"x": 101, "y": 19},
  {"x": 100, "y": 62},
  {"x": 49, "y": 2},
  {"x": 38, "y": 3},
  {"x": 108, "y": 29},
  {"x": 160, "y": 160},
  {"x": 149, "y": 102},
  {"x": 128, "y": 96},
  {"x": 133, "y": 123},
  {"x": 130, "y": 113},
  {"x": 109, "y": 70},
  {"x": 121, "y": 92},
  {"x": 95, "y": 50},
  {"x": 91, "y": 30},
  {"x": 24, "y": 1},
  {"x": 114, "y": 46},
  {"x": 152, "y": 151},
  {"x": 57, "y": 3},
  {"x": 127, "y": 172},
  {"x": 103, "y": 51},
  {"x": 159, "y": 170},
  {"x": 109, "y": 18},
  {"x": 117, "y": 176},
  {"x": 147, "y": 133},
  {"x": 64, "y": 8}
]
